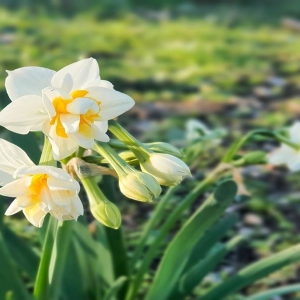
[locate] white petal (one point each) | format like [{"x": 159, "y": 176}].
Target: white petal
[
  {"x": 81, "y": 73},
  {"x": 62, "y": 198},
  {"x": 106, "y": 84},
  {"x": 70, "y": 122},
  {"x": 5, "y": 178},
  {"x": 25, "y": 201},
  {"x": 49, "y": 170},
  {"x": 15, "y": 188},
  {"x": 82, "y": 139},
  {"x": 52, "y": 93},
  {"x": 61, "y": 147},
  {"x": 82, "y": 105},
  {"x": 76, "y": 208},
  {"x": 99, "y": 135},
  {"x": 27, "y": 81},
  {"x": 56, "y": 184},
  {"x": 46, "y": 202},
  {"x": 103, "y": 126},
  {"x": 294, "y": 165},
  {"x": 113, "y": 103},
  {"x": 24, "y": 114},
  {"x": 34, "y": 215},
  {"x": 281, "y": 156},
  {"x": 294, "y": 133},
  {"x": 48, "y": 106},
  {"x": 11, "y": 158},
  {"x": 13, "y": 208}
]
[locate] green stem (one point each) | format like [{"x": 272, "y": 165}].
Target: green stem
[
  {"x": 235, "y": 147},
  {"x": 167, "y": 225},
  {"x": 59, "y": 257},
  {"x": 41, "y": 287},
  {"x": 116, "y": 241},
  {"x": 114, "y": 159},
  {"x": 46, "y": 156},
  {"x": 286, "y": 141},
  {"x": 95, "y": 195},
  {"x": 139, "y": 149}
]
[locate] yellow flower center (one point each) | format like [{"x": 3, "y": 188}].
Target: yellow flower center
[
  {"x": 60, "y": 106},
  {"x": 38, "y": 182}
]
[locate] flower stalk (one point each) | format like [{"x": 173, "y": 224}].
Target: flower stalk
[
  {"x": 133, "y": 184},
  {"x": 167, "y": 169}
]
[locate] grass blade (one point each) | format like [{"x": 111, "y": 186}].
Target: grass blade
[
  {"x": 194, "y": 276},
  {"x": 253, "y": 273},
  {"x": 211, "y": 237},
  {"x": 266, "y": 295},
  {"x": 158, "y": 214}
]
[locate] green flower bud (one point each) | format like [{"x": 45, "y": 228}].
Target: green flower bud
[
  {"x": 102, "y": 209},
  {"x": 256, "y": 157},
  {"x": 107, "y": 213},
  {"x": 253, "y": 158},
  {"x": 139, "y": 186}
]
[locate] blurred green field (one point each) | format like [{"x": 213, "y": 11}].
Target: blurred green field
[{"x": 234, "y": 67}]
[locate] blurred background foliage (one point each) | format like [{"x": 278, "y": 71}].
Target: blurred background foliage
[{"x": 234, "y": 65}]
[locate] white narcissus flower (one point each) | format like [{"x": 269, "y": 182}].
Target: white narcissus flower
[
  {"x": 165, "y": 168},
  {"x": 286, "y": 154},
  {"x": 71, "y": 106},
  {"x": 38, "y": 190}
]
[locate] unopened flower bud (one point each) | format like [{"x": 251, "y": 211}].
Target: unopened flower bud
[
  {"x": 166, "y": 169},
  {"x": 139, "y": 186},
  {"x": 107, "y": 213},
  {"x": 256, "y": 157},
  {"x": 102, "y": 209},
  {"x": 167, "y": 148}
]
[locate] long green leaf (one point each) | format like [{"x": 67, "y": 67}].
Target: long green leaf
[
  {"x": 73, "y": 285},
  {"x": 23, "y": 255},
  {"x": 177, "y": 253},
  {"x": 114, "y": 289},
  {"x": 194, "y": 276},
  {"x": 266, "y": 295},
  {"x": 211, "y": 237},
  {"x": 253, "y": 273},
  {"x": 84, "y": 277},
  {"x": 10, "y": 282},
  {"x": 156, "y": 217}
]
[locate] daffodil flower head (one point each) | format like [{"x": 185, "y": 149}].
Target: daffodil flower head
[
  {"x": 165, "y": 168},
  {"x": 71, "y": 106},
  {"x": 287, "y": 155},
  {"x": 37, "y": 190}
]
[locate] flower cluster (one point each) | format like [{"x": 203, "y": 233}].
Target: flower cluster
[{"x": 74, "y": 108}]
